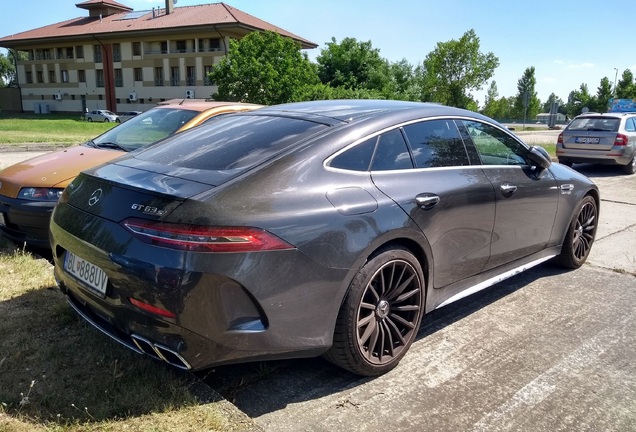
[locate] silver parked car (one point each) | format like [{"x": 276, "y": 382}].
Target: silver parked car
[
  {"x": 608, "y": 138},
  {"x": 102, "y": 116}
]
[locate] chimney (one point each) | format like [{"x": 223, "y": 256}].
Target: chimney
[{"x": 169, "y": 6}]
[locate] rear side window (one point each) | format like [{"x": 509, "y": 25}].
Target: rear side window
[
  {"x": 436, "y": 143},
  {"x": 630, "y": 125},
  {"x": 391, "y": 153},
  {"x": 596, "y": 124},
  {"x": 231, "y": 143}
]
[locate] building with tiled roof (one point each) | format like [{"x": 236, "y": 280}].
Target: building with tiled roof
[{"x": 120, "y": 59}]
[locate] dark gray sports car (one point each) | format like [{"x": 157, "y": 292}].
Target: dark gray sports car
[{"x": 325, "y": 227}]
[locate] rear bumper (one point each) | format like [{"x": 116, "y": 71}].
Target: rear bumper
[
  {"x": 615, "y": 156},
  {"x": 26, "y": 221}
]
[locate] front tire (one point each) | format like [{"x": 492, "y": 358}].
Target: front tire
[
  {"x": 381, "y": 314},
  {"x": 90, "y": 119},
  {"x": 580, "y": 235}
]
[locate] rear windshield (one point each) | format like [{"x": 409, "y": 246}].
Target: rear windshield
[
  {"x": 231, "y": 143},
  {"x": 596, "y": 124}
]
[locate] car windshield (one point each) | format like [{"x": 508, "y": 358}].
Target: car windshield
[
  {"x": 596, "y": 124},
  {"x": 145, "y": 129},
  {"x": 231, "y": 144}
]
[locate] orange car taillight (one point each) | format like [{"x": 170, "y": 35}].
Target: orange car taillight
[{"x": 204, "y": 238}]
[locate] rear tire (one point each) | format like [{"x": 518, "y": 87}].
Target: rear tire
[
  {"x": 630, "y": 168},
  {"x": 580, "y": 235},
  {"x": 380, "y": 315}
]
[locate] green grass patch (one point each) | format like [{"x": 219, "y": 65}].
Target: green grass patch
[
  {"x": 53, "y": 128},
  {"x": 59, "y": 374}
]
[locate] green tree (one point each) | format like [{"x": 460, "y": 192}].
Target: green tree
[
  {"x": 456, "y": 68},
  {"x": 264, "y": 68},
  {"x": 626, "y": 88},
  {"x": 551, "y": 99},
  {"x": 526, "y": 100},
  {"x": 491, "y": 101},
  {"x": 353, "y": 65},
  {"x": 7, "y": 70},
  {"x": 404, "y": 82},
  {"x": 603, "y": 95},
  {"x": 577, "y": 100}
]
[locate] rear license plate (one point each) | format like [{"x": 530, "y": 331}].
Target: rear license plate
[
  {"x": 586, "y": 140},
  {"x": 3, "y": 222},
  {"x": 86, "y": 272}
]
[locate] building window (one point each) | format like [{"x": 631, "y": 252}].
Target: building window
[
  {"x": 215, "y": 44},
  {"x": 119, "y": 78},
  {"x": 174, "y": 76},
  {"x": 117, "y": 52},
  {"x": 31, "y": 55},
  {"x": 65, "y": 53},
  {"x": 159, "y": 76},
  {"x": 52, "y": 77},
  {"x": 29, "y": 77},
  {"x": 43, "y": 54},
  {"x": 191, "y": 75},
  {"x": 100, "y": 77},
  {"x": 98, "y": 53},
  {"x": 164, "y": 47},
  {"x": 40, "y": 76},
  {"x": 81, "y": 75},
  {"x": 181, "y": 46},
  {"x": 64, "y": 76},
  {"x": 79, "y": 51},
  {"x": 136, "y": 47},
  {"x": 206, "y": 74},
  {"x": 139, "y": 74}
]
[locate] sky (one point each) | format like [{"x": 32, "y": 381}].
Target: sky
[{"x": 569, "y": 42}]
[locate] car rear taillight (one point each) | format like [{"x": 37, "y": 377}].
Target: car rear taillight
[
  {"x": 560, "y": 138},
  {"x": 620, "y": 140},
  {"x": 152, "y": 309},
  {"x": 204, "y": 238}
]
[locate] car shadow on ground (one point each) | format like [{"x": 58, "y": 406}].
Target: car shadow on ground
[
  {"x": 595, "y": 170},
  {"x": 265, "y": 387}
]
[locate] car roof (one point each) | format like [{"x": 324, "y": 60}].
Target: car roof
[{"x": 346, "y": 110}]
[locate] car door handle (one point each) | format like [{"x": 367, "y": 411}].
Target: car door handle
[
  {"x": 427, "y": 201},
  {"x": 508, "y": 189}
]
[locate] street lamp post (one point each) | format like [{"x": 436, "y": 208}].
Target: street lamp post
[{"x": 615, "y": 77}]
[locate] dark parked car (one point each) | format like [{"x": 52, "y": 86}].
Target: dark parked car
[{"x": 313, "y": 228}]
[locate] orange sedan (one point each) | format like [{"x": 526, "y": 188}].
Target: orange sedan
[{"x": 29, "y": 190}]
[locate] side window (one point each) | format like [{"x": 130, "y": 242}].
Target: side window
[
  {"x": 495, "y": 147},
  {"x": 630, "y": 125},
  {"x": 436, "y": 143},
  {"x": 391, "y": 153},
  {"x": 357, "y": 158}
]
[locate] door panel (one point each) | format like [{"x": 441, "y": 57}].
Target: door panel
[{"x": 456, "y": 212}]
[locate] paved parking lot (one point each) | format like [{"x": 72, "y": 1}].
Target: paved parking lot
[{"x": 547, "y": 350}]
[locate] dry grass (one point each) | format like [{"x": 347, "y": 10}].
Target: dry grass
[{"x": 59, "y": 374}]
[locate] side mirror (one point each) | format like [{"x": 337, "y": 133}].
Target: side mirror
[{"x": 540, "y": 157}]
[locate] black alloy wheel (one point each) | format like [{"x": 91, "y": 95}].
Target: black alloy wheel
[
  {"x": 580, "y": 235},
  {"x": 381, "y": 314}
]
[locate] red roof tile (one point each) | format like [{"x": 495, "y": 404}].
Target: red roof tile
[{"x": 182, "y": 17}]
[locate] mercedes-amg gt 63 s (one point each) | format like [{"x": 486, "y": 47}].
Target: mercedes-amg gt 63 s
[{"x": 316, "y": 228}]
